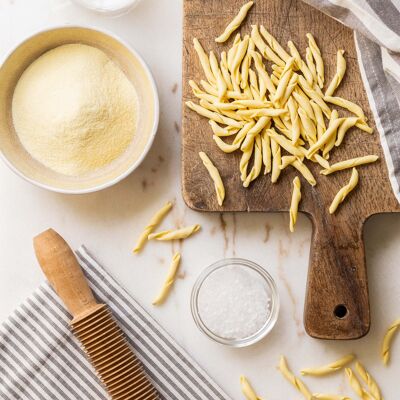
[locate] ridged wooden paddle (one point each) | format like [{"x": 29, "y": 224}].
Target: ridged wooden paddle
[{"x": 102, "y": 339}]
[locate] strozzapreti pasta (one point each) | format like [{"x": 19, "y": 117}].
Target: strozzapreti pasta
[
  {"x": 169, "y": 281},
  {"x": 329, "y": 368},
  {"x": 235, "y": 23},
  {"x": 294, "y": 206},
  {"x": 175, "y": 234},
  {"x": 294, "y": 380},
  {"x": 215, "y": 176},
  {"x": 344, "y": 191},
  {"x": 265, "y": 101},
  {"x": 154, "y": 222},
  {"x": 387, "y": 340},
  {"x": 373, "y": 387},
  {"x": 247, "y": 390}
]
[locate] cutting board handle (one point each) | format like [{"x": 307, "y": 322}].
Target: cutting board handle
[
  {"x": 65, "y": 275},
  {"x": 337, "y": 305}
]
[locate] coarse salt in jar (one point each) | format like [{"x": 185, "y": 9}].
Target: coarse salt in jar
[{"x": 235, "y": 302}]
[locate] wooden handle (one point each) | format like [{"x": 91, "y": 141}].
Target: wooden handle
[
  {"x": 337, "y": 305},
  {"x": 59, "y": 264}
]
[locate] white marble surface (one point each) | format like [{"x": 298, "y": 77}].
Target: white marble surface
[{"x": 108, "y": 223}]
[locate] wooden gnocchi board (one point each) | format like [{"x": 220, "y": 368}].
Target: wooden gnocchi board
[{"x": 337, "y": 305}]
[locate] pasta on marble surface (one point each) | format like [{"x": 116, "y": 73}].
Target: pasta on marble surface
[
  {"x": 387, "y": 340},
  {"x": 169, "y": 280},
  {"x": 153, "y": 223},
  {"x": 175, "y": 234}
]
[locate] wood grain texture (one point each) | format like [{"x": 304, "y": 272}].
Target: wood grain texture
[
  {"x": 337, "y": 271},
  {"x": 102, "y": 340}
]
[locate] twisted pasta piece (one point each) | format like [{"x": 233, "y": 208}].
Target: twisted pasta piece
[
  {"x": 294, "y": 206},
  {"x": 175, "y": 234},
  {"x": 244, "y": 71},
  {"x": 244, "y": 161},
  {"x": 215, "y": 176},
  {"x": 314, "y": 95},
  {"x": 237, "y": 60},
  {"x": 329, "y": 368},
  {"x": 285, "y": 143},
  {"x": 310, "y": 64},
  {"x": 296, "y": 382},
  {"x": 266, "y": 151},
  {"x": 225, "y": 72},
  {"x": 221, "y": 83},
  {"x": 340, "y": 71},
  {"x": 225, "y": 147},
  {"x": 387, "y": 340},
  {"x": 294, "y": 119},
  {"x": 299, "y": 63},
  {"x": 255, "y": 171},
  {"x": 353, "y": 162},
  {"x": 222, "y": 132},
  {"x": 322, "y": 396},
  {"x": 344, "y": 191},
  {"x": 321, "y": 127},
  {"x": 262, "y": 72},
  {"x": 153, "y": 223},
  {"x": 319, "y": 64},
  {"x": 263, "y": 48},
  {"x": 343, "y": 128},
  {"x": 169, "y": 280},
  {"x": 254, "y": 131},
  {"x": 283, "y": 81},
  {"x": 213, "y": 115},
  {"x": 247, "y": 390},
  {"x": 309, "y": 126},
  {"x": 356, "y": 385},
  {"x": 369, "y": 380},
  {"x": 204, "y": 61},
  {"x": 302, "y": 101},
  {"x": 274, "y": 44},
  {"x": 276, "y": 161},
  {"x": 324, "y": 139},
  {"x": 347, "y": 104},
  {"x": 302, "y": 168},
  {"x": 331, "y": 142},
  {"x": 235, "y": 23}
]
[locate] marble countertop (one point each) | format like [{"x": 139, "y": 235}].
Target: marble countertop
[{"x": 108, "y": 223}]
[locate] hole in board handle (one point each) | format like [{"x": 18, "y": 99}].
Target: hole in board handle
[{"x": 340, "y": 311}]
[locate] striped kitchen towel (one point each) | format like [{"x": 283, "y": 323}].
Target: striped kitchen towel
[
  {"x": 377, "y": 35},
  {"x": 40, "y": 359}
]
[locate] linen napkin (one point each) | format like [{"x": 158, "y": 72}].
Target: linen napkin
[
  {"x": 377, "y": 35},
  {"x": 40, "y": 359}
]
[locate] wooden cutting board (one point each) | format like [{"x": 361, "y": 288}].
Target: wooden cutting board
[{"x": 337, "y": 305}]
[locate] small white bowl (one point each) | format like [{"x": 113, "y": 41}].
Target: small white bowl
[
  {"x": 20, "y": 161},
  {"x": 113, "y": 9}
]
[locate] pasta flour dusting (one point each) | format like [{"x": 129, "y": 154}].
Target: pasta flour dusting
[{"x": 74, "y": 110}]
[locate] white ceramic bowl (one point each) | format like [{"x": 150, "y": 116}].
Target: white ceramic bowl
[{"x": 20, "y": 161}]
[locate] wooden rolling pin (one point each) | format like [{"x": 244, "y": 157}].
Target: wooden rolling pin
[{"x": 102, "y": 340}]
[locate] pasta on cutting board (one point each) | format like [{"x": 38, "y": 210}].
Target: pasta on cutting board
[{"x": 266, "y": 102}]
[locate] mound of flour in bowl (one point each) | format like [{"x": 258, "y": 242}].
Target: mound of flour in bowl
[{"x": 74, "y": 110}]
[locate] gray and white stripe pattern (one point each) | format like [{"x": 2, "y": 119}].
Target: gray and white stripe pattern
[
  {"x": 377, "y": 34},
  {"x": 40, "y": 359}
]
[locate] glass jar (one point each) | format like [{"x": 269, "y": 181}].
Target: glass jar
[{"x": 260, "y": 277}]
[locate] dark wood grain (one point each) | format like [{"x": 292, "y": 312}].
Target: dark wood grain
[{"x": 337, "y": 272}]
